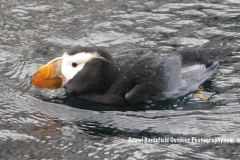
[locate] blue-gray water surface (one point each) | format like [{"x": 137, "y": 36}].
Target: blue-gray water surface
[{"x": 36, "y": 123}]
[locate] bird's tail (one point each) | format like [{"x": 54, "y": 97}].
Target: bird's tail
[{"x": 207, "y": 54}]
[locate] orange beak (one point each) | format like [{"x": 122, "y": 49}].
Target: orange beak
[{"x": 49, "y": 76}]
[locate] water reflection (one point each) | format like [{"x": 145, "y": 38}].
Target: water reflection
[{"x": 75, "y": 102}]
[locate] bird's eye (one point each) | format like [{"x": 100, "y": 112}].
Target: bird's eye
[{"x": 74, "y": 65}]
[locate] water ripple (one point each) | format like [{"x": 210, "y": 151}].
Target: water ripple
[{"x": 37, "y": 124}]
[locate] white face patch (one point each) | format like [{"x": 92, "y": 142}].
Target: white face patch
[{"x": 69, "y": 70}]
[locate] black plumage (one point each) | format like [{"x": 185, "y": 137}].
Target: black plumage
[{"x": 143, "y": 75}]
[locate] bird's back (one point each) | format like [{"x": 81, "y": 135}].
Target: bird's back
[{"x": 146, "y": 75}]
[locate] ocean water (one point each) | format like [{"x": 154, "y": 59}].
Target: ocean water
[{"x": 36, "y": 123}]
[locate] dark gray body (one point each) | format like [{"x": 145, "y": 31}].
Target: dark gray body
[
  {"x": 144, "y": 75},
  {"x": 147, "y": 76}
]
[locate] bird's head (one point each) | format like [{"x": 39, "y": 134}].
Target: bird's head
[{"x": 75, "y": 65}]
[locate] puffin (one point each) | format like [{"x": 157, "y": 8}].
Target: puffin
[{"x": 131, "y": 77}]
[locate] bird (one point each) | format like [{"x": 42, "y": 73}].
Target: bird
[{"x": 132, "y": 77}]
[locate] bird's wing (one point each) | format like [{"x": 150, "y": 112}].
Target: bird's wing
[{"x": 153, "y": 76}]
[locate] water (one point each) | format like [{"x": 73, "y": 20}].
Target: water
[{"x": 36, "y": 123}]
